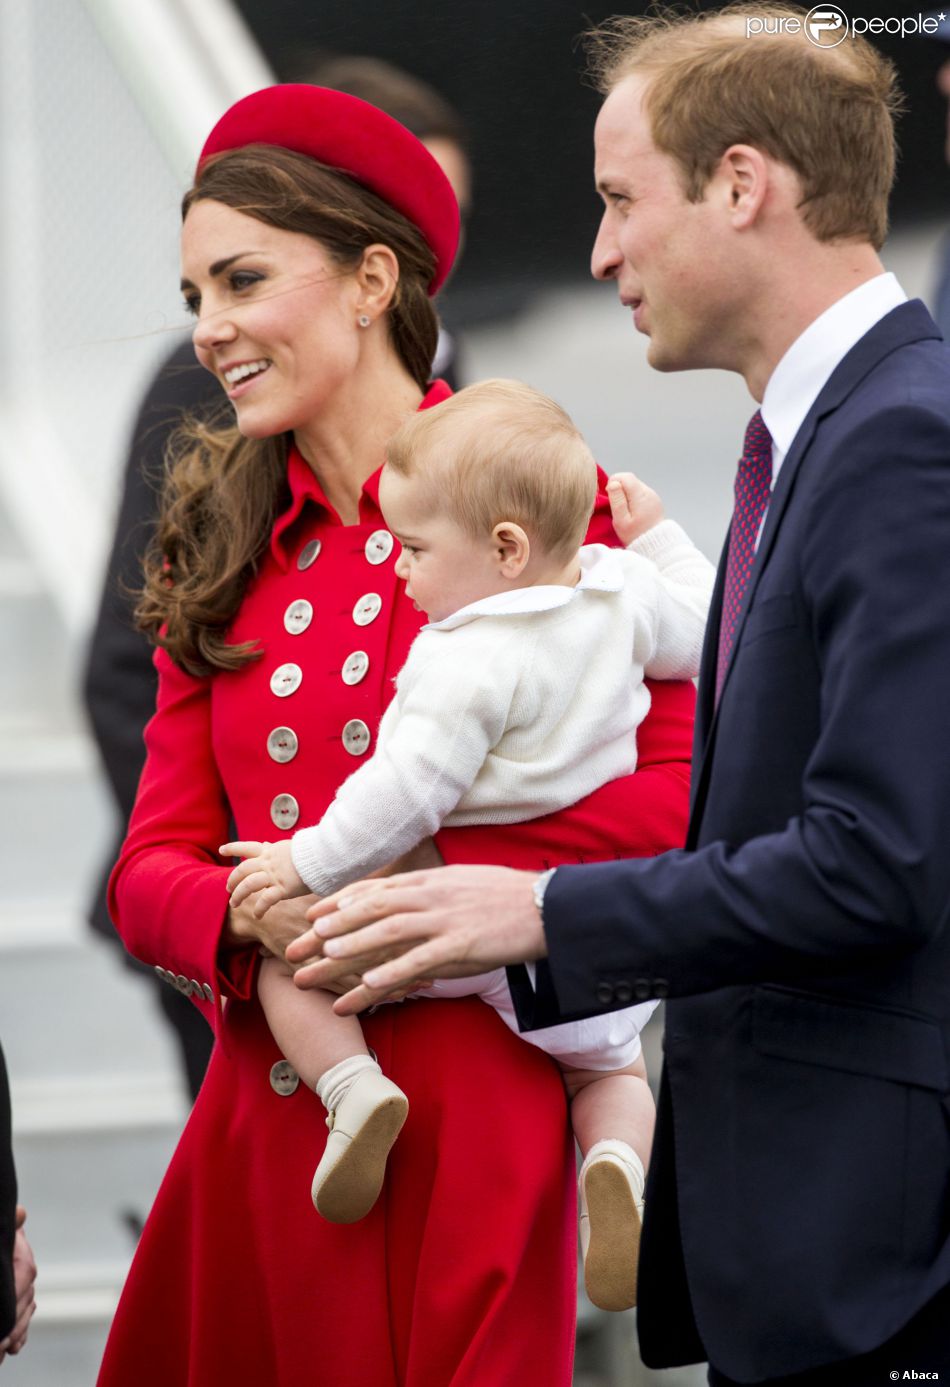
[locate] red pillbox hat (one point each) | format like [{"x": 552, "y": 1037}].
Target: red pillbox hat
[{"x": 358, "y": 139}]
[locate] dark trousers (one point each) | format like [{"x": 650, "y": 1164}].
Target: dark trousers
[{"x": 921, "y": 1347}]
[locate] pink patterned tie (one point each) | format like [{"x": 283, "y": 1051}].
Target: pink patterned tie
[{"x": 753, "y": 488}]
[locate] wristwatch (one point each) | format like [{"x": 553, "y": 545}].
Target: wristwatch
[{"x": 539, "y": 888}]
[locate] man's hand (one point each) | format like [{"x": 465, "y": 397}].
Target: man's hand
[
  {"x": 634, "y": 506},
  {"x": 24, "y": 1277},
  {"x": 448, "y": 923},
  {"x": 267, "y": 873}
]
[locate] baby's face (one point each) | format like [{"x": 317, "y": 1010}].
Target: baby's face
[{"x": 444, "y": 567}]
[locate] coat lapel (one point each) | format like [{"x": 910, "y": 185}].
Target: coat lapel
[{"x": 910, "y": 322}]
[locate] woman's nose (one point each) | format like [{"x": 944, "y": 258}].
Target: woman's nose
[{"x": 213, "y": 329}]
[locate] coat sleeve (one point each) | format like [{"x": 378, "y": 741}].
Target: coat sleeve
[
  {"x": 167, "y": 892},
  {"x": 862, "y": 870},
  {"x": 639, "y": 815},
  {"x": 7, "y": 1210}
]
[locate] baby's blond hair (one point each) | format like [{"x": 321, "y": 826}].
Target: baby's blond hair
[{"x": 500, "y": 451}]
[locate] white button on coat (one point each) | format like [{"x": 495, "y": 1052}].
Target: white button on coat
[
  {"x": 308, "y": 553},
  {"x": 286, "y": 680},
  {"x": 355, "y": 667},
  {"x": 284, "y": 811},
  {"x": 282, "y": 744},
  {"x": 298, "y": 616},
  {"x": 379, "y": 546},
  {"x": 367, "y": 608},
  {"x": 356, "y": 737},
  {"x": 284, "y": 1078}
]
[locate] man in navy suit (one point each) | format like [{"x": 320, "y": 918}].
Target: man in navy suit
[{"x": 798, "y": 1203}]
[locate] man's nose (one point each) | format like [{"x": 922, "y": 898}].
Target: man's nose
[{"x": 605, "y": 258}]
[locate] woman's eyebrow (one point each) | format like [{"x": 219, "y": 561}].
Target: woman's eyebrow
[{"x": 219, "y": 266}]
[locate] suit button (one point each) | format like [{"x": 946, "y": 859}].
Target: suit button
[
  {"x": 356, "y": 737},
  {"x": 308, "y": 553},
  {"x": 605, "y": 992},
  {"x": 284, "y": 1078},
  {"x": 623, "y": 992},
  {"x": 367, "y": 608},
  {"x": 298, "y": 616},
  {"x": 661, "y": 988},
  {"x": 286, "y": 680},
  {"x": 379, "y": 546},
  {"x": 643, "y": 989},
  {"x": 355, "y": 668},
  {"x": 282, "y": 744},
  {"x": 284, "y": 811}
]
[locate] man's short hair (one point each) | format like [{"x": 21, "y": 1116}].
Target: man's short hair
[
  {"x": 713, "y": 81},
  {"x": 501, "y": 451}
]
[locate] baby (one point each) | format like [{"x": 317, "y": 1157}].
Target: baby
[{"x": 521, "y": 696}]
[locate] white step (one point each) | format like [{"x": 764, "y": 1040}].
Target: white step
[{"x": 56, "y": 810}]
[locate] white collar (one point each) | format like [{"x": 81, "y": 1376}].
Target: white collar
[
  {"x": 601, "y": 571},
  {"x": 798, "y": 379}
]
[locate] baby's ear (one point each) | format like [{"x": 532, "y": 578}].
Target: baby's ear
[{"x": 512, "y": 547}]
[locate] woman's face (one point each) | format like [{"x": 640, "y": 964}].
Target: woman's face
[{"x": 276, "y": 317}]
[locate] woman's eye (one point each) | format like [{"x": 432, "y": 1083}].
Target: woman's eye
[
  {"x": 193, "y": 304},
  {"x": 244, "y": 279}
]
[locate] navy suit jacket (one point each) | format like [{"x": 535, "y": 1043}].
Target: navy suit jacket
[{"x": 798, "y": 1204}]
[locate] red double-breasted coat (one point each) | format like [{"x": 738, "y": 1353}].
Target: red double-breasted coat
[{"x": 463, "y": 1273}]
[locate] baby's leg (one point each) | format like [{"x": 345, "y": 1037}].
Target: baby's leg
[
  {"x": 613, "y": 1116},
  {"x": 304, "y": 1024},
  {"x": 618, "y": 1105},
  {"x": 366, "y": 1110}
]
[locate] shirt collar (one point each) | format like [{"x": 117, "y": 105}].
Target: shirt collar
[
  {"x": 798, "y": 379},
  {"x": 305, "y": 488},
  {"x": 601, "y": 571}
]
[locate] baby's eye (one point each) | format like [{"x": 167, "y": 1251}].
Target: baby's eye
[{"x": 408, "y": 549}]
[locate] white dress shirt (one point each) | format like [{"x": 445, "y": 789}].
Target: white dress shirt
[{"x": 807, "y": 366}]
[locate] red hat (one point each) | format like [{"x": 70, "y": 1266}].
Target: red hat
[{"x": 358, "y": 139}]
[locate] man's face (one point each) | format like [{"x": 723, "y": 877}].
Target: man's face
[{"x": 663, "y": 251}]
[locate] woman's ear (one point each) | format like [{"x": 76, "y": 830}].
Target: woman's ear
[
  {"x": 512, "y": 548},
  {"x": 377, "y": 277}
]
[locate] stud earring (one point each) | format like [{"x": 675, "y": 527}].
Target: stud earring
[{"x": 363, "y": 320}]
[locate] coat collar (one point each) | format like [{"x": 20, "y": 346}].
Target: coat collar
[{"x": 306, "y": 491}]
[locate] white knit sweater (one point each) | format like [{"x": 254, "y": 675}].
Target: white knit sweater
[{"x": 518, "y": 705}]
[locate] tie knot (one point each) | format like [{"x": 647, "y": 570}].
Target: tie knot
[{"x": 758, "y": 440}]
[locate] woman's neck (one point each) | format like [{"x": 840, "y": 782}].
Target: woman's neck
[{"x": 347, "y": 443}]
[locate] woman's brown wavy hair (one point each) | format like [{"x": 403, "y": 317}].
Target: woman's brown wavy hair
[{"x": 223, "y": 492}]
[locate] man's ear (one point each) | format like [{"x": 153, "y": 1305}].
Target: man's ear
[
  {"x": 744, "y": 174},
  {"x": 377, "y": 276},
  {"x": 512, "y": 548}
]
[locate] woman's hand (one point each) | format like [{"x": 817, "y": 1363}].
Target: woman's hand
[{"x": 283, "y": 924}]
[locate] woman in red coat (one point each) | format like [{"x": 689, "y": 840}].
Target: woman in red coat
[{"x": 282, "y": 625}]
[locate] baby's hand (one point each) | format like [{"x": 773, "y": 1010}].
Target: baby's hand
[
  {"x": 634, "y": 507},
  {"x": 267, "y": 872}
]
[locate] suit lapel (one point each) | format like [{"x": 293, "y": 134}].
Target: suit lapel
[{"x": 910, "y": 322}]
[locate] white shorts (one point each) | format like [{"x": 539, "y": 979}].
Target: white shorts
[{"x": 607, "y": 1042}]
